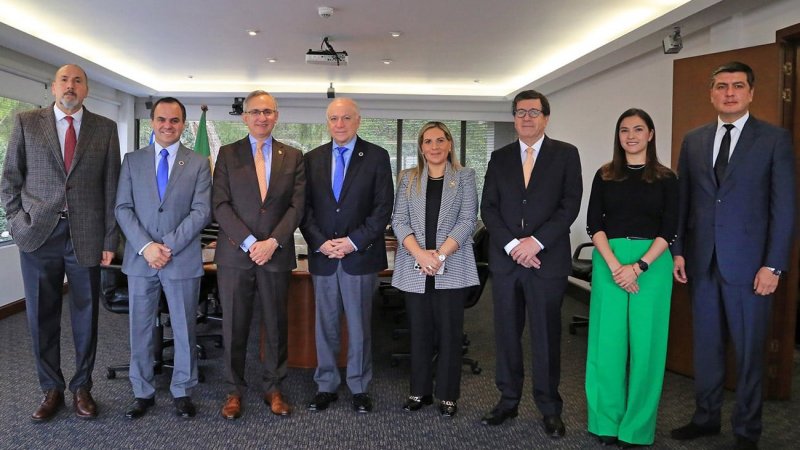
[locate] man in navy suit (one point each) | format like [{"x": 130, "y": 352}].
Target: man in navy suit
[
  {"x": 531, "y": 196},
  {"x": 734, "y": 239},
  {"x": 163, "y": 203},
  {"x": 349, "y": 200}
]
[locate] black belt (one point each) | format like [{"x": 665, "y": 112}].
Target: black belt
[
  {"x": 637, "y": 238},
  {"x": 63, "y": 214}
]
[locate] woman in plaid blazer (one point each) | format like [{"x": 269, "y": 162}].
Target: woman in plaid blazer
[{"x": 435, "y": 211}]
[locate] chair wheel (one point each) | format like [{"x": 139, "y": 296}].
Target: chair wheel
[
  {"x": 201, "y": 354},
  {"x": 111, "y": 374},
  {"x": 218, "y": 344},
  {"x": 476, "y": 370}
]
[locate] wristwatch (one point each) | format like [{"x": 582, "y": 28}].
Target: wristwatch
[
  {"x": 441, "y": 256},
  {"x": 643, "y": 266},
  {"x": 776, "y": 272}
]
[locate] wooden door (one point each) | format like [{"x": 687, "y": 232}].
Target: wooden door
[{"x": 691, "y": 108}]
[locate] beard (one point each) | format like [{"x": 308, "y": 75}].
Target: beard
[{"x": 69, "y": 103}]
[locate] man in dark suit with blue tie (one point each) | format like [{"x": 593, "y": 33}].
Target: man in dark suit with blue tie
[
  {"x": 349, "y": 200},
  {"x": 58, "y": 189},
  {"x": 734, "y": 238},
  {"x": 531, "y": 196},
  {"x": 163, "y": 203}
]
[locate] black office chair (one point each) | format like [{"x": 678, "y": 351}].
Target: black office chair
[{"x": 582, "y": 270}]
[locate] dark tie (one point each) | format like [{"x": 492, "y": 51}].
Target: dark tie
[
  {"x": 721, "y": 164},
  {"x": 338, "y": 172},
  {"x": 162, "y": 174},
  {"x": 70, "y": 141}
]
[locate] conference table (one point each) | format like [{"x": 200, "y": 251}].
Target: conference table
[{"x": 302, "y": 313}]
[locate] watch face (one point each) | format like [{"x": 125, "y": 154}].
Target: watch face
[{"x": 441, "y": 257}]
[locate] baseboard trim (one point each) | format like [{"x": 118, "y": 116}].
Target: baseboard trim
[{"x": 12, "y": 308}]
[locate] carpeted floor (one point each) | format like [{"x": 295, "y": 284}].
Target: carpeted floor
[{"x": 339, "y": 427}]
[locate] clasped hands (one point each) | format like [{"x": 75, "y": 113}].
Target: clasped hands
[
  {"x": 157, "y": 255},
  {"x": 261, "y": 251},
  {"x": 525, "y": 253},
  {"x": 428, "y": 262},
  {"x": 626, "y": 278},
  {"x": 337, "y": 248}
]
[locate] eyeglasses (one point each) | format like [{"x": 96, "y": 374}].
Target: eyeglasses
[
  {"x": 533, "y": 112},
  {"x": 258, "y": 112}
]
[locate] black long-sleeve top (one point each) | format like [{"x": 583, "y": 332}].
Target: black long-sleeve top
[{"x": 633, "y": 207}]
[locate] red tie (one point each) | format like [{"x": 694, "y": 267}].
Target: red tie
[{"x": 70, "y": 141}]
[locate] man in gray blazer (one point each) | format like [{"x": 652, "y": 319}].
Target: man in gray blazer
[
  {"x": 163, "y": 202},
  {"x": 58, "y": 188}
]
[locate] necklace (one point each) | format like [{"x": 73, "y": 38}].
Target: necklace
[
  {"x": 435, "y": 178},
  {"x": 635, "y": 166}
]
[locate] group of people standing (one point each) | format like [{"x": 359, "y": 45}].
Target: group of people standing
[{"x": 724, "y": 224}]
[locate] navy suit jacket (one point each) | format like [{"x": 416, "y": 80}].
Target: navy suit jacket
[
  {"x": 545, "y": 209},
  {"x": 362, "y": 212},
  {"x": 749, "y": 218}
]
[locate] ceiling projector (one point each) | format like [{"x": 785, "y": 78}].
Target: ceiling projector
[{"x": 326, "y": 58}]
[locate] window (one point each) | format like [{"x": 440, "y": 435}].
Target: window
[{"x": 8, "y": 109}]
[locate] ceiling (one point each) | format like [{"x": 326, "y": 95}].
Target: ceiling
[{"x": 462, "y": 48}]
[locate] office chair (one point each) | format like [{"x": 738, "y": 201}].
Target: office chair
[{"x": 582, "y": 270}]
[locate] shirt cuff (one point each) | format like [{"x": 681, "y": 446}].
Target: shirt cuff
[
  {"x": 352, "y": 243},
  {"x": 510, "y": 246},
  {"x": 141, "y": 252},
  {"x": 248, "y": 242},
  {"x": 538, "y": 242}
]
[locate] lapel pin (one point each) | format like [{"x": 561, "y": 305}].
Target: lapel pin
[
  {"x": 360, "y": 153},
  {"x": 280, "y": 152},
  {"x": 180, "y": 163},
  {"x": 452, "y": 183}
]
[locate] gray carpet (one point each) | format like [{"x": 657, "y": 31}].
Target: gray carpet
[{"x": 338, "y": 427}]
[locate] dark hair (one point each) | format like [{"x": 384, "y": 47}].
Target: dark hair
[
  {"x": 532, "y": 95},
  {"x": 167, "y": 100},
  {"x": 653, "y": 169},
  {"x": 735, "y": 66}
]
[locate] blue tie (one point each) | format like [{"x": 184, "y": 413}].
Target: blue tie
[
  {"x": 162, "y": 174},
  {"x": 338, "y": 172}
]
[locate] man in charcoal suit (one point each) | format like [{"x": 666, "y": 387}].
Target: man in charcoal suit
[{"x": 531, "y": 196}]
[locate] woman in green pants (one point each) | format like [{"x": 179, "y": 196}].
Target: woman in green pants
[{"x": 632, "y": 219}]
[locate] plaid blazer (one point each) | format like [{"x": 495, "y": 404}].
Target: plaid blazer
[
  {"x": 457, "y": 217},
  {"x": 36, "y": 187}
]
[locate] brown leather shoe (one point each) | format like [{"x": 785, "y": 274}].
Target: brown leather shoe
[
  {"x": 232, "y": 409},
  {"x": 85, "y": 407},
  {"x": 276, "y": 403},
  {"x": 52, "y": 402}
]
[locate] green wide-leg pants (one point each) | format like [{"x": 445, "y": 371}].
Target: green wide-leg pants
[{"x": 627, "y": 345}]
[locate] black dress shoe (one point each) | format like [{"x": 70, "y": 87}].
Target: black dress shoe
[
  {"x": 554, "y": 426},
  {"x": 742, "y": 443},
  {"x": 607, "y": 440},
  {"x": 362, "y": 403},
  {"x": 322, "y": 400},
  {"x": 693, "y": 431},
  {"x": 139, "y": 407},
  {"x": 498, "y": 415},
  {"x": 184, "y": 407},
  {"x": 415, "y": 402},
  {"x": 623, "y": 444},
  {"x": 448, "y": 408}
]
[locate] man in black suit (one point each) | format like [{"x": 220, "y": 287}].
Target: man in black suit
[
  {"x": 58, "y": 189},
  {"x": 734, "y": 240},
  {"x": 531, "y": 196},
  {"x": 349, "y": 198}
]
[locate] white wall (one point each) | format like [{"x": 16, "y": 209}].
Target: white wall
[{"x": 585, "y": 114}]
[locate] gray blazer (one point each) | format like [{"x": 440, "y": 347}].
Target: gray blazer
[
  {"x": 457, "y": 217},
  {"x": 36, "y": 187},
  {"x": 176, "y": 221}
]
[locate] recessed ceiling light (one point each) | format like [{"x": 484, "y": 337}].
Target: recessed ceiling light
[
  {"x": 396, "y": 34},
  {"x": 272, "y": 60},
  {"x": 253, "y": 32},
  {"x": 190, "y": 76},
  {"x": 476, "y": 81},
  {"x": 387, "y": 61}
]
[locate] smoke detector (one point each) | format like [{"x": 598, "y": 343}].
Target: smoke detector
[{"x": 325, "y": 11}]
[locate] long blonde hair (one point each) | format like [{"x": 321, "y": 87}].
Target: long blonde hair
[{"x": 416, "y": 172}]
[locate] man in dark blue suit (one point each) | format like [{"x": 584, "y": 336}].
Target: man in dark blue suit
[
  {"x": 734, "y": 239},
  {"x": 531, "y": 196},
  {"x": 349, "y": 200}
]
